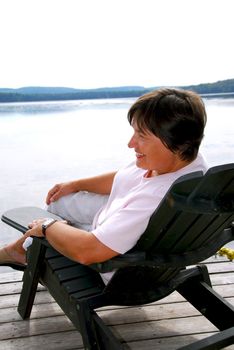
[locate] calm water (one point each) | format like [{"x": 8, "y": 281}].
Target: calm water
[{"x": 44, "y": 143}]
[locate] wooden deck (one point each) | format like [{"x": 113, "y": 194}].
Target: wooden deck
[{"x": 163, "y": 325}]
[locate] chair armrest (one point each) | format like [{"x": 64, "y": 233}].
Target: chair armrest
[
  {"x": 128, "y": 259},
  {"x": 19, "y": 218},
  {"x": 171, "y": 260}
]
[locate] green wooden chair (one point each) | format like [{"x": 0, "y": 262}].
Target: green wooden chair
[{"x": 193, "y": 221}]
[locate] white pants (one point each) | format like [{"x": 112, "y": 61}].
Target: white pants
[{"x": 79, "y": 208}]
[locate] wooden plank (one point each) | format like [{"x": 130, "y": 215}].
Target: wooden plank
[
  {"x": 171, "y": 343},
  {"x": 11, "y": 276},
  {"x": 163, "y": 328},
  {"x": 225, "y": 290},
  {"x": 127, "y": 332},
  {"x": 10, "y": 288},
  {"x": 35, "y": 326},
  {"x": 150, "y": 313},
  {"x": 56, "y": 340},
  {"x": 15, "y": 288},
  {"x": 111, "y": 316},
  {"x": 221, "y": 267},
  {"x": 11, "y": 301},
  {"x": 10, "y": 314},
  {"x": 227, "y": 278},
  {"x": 59, "y": 341}
]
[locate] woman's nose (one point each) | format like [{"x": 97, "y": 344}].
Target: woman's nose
[{"x": 131, "y": 142}]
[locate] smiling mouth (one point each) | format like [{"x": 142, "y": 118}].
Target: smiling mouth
[{"x": 139, "y": 155}]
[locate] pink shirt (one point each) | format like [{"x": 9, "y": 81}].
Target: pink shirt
[{"x": 132, "y": 201}]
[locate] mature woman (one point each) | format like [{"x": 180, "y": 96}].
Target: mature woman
[{"x": 110, "y": 212}]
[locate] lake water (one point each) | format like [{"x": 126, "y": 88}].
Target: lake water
[{"x": 48, "y": 142}]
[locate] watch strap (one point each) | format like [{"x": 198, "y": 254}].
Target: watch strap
[{"x": 47, "y": 224}]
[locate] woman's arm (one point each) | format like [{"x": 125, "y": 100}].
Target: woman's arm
[
  {"x": 76, "y": 244},
  {"x": 101, "y": 184}
]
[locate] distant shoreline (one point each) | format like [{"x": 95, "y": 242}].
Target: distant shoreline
[
  {"x": 223, "y": 88},
  {"x": 227, "y": 95}
]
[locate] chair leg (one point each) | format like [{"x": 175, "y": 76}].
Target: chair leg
[
  {"x": 86, "y": 327},
  {"x": 106, "y": 338},
  {"x": 202, "y": 296},
  {"x": 31, "y": 277},
  {"x": 96, "y": 335}
]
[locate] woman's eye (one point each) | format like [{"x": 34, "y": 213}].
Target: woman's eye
[{"x": 142, "y": 136}]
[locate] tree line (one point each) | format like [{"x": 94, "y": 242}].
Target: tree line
[{"x": 29, "y": 94}]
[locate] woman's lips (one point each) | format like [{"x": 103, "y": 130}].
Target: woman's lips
[{"x": 139, "y": 155}]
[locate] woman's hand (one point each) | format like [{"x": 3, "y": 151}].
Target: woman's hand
[
  {"x": 60, "y": 190},
  {"x": 101, "y": 184},
  {"x": 35, "y": 227}
]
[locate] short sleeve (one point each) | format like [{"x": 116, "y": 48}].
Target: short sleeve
[{"x": 121, "y": 231}]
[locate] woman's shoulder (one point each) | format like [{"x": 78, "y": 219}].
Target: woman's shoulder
[{"x": 199, "y": 164}]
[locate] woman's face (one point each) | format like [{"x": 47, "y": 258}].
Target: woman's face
[{"x": 152, "y": 154}]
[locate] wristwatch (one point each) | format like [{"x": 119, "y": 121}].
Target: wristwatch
[{"x": 47, "y": 223}]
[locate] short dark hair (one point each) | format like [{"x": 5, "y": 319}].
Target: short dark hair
[{"x": 177, "y": 117}]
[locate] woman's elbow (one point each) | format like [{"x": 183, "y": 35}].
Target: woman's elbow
[
  {"x": 92, "y": 257},
  {"x": 93, "y": 251},
  {"x": 86, "y": 258}
]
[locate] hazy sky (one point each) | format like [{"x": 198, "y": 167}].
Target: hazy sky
[{"x": 98, "y": 43}]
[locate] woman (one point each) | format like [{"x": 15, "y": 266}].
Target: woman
[{"x": 110, "y": 212}]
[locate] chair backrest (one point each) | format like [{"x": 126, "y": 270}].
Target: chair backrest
[
  {"x": 194, "y": 212},
  {"x": 193, "y": 220}
]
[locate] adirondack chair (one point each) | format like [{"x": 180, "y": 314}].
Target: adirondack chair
[{"x": 193, "y": 221}]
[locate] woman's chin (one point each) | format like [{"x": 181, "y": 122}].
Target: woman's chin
[{"x": 140, "y": 163}]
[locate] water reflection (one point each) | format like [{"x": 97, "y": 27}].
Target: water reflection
[{"x": 33, "y": 108}]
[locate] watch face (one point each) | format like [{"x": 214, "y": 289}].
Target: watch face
[{"x": 47, "y": 222}]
